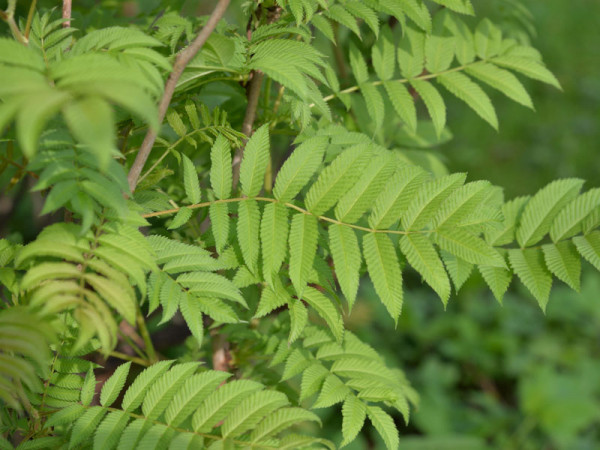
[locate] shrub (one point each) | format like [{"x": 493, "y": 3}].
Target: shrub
[{"x": 243, "y": 178}]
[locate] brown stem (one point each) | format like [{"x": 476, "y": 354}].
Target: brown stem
[
  {"x": 66, "y": 13},
  {"x": 221, "y": 356},
  {"x": 9, "y": 17},
  {"x": 253, "y": 96},
  {"x": 181, "y": 61}
]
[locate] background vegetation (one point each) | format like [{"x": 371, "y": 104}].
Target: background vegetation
[{"x": 489, "y": 376}]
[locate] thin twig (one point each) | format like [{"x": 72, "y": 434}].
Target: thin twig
[
  {"x": 9, "y": 17},
  {"x": 181, "y": 61},
  {"x": 16, "y": 164},
  {"x": 66, "y": 13},
  {"x": 288, "y": 205},
  {"x": 30, "y": 18},
  {"x": 126, "y": 357},
  {"x": 149, "y": 346},
  {"x": 426, "y": 76}
]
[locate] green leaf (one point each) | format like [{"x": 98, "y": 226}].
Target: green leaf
[
  {"x": 374, "y": 102},
  {"x": 208, "y": 284},
  {"x": 219, "y": 218},
  {"x": 89, "y": 388},
  {"x": 112, "y": 387},
  {"x": 249, "y": 413},
  {"x": 45, "y": 271},
  {"x": 568, "y": 222},
  {"x": 361, "y": 196},
  {"x": 411, "y": 53},
  {"x": 333, "y": 391},
  {"x": 284, "y": 73},
  {"x": 303, "y": 248},
  {"x": 383, "y": 54},
  {"x": 528, "y": 67},
  {"x": 346, "y": 259},
  {"x": 312, "y": 380},
  {"x": 299, "y": 319},
  {"x": 190, "y": 180},
  {"x": 403, "y": 103},
  {"x": 175, "y": 121},
  {"x": 340, "y": 15},
  {"x": 502, "y": 80},
  {"x": 192, "y": 395},
  {"x": 497, "y": 278},
  {"x": 541, "y": 210},
  {"x": 337, "y": 178},
  {"x": 299, "y": 168},
  {"x": 297, "y": 361},
  {"x": 15, "y": 53},
  {"x": 358, "y": 65},
  {"x": 362, "y": 11},
  {"x": 255, "y": 161},
  {"x": 132, "y": 434},
  {"x": 461, "y": 204},
  {"x": 114, "y": 295},
  {"x": 354, "y": 413},
  {"x": 220, "y": 167},
  {"x": 248, "y": 227},
  {"x": 192, "y": 314},
  {"x": 384, "y": 425},
  {"x": 274, "y": 229},
  {"x": 326, "y": 310},
  {"x": 161, "y": 392},
  {"x": 86, "y": 425},
  {"x": 465, "y": 42},
  {"x": 181, "y": 218},
  {"x": 488, "y": 39},
  {"x": 90, "y": 119},
  {"x": 324, "y": 26},
  {"x": 563, "y": 261},
  {"x": 60, "y": 194},
  {"x": 221, "y": 403},
  {"x": 458, "y": 269},
  {"x": 529, "y": 265},
  {"x": 469, "y": 247},
  {"x": 33, "y": 113},
  {"x": 439, "y": 47},
  {"x": 589, "y": 247},
  {"x": 423, "y": 257},
  {"x": 423, "y": 207},
  {"x": 280, "y": 420},
  {"x": 384, "y": 271},
  {"x": 511, "y": 211},
  {"x": 434, "y": 103},
  {"x": 415, "y": 10},
  {"x": 272, "y": 298},
  {"x": 109, "y": 431},
  {"x": 396, "y": 196},
  {"x": 462, "y": 87}
]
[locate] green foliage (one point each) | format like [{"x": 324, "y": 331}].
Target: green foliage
[{"x": 356, "y": 191}]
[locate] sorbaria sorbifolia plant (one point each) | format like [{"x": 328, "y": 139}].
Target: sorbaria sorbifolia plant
[{"x": 243, "y": 172}]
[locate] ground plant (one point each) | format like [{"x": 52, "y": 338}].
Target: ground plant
[{"x": 212, "y": 183}]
